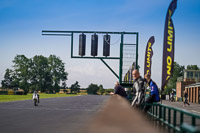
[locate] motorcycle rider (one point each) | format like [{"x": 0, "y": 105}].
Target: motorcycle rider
[{"x": 36, "y": 96}]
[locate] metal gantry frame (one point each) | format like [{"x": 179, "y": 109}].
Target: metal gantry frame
[{"x": 120, "y": 58}]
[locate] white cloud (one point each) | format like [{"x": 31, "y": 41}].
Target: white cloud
[{"x": 91, "y": 72}]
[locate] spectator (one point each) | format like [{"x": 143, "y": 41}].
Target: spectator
[
  {"x": 186, "y": 98},
  {"x": 119, "y": 90},
  {"x": 138, "y": 88},
  {"x": 172, "y": 99},
  {"x": 154, "y": 93}
]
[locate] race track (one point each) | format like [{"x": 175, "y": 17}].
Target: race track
[{"x": 53, "y": 115}]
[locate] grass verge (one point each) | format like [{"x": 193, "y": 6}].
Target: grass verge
[{"x": 9, "y": 98}]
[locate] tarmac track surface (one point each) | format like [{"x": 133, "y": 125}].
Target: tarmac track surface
[{"x": 53, "y": 115}]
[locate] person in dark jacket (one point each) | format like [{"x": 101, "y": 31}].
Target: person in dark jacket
[
  {"x": 186, "y": 98},
  {"x": 119, "y": 90},
  {"x": 138, "y": 88},
  {"x": 154, "y": 93}
]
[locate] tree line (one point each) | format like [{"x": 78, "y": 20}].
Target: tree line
[
  {"x": 91, "y": 89},
  {"x": 47, "y": 74},
  {"x": 38, "y": 73}
]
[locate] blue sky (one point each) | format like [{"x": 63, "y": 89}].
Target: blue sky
[{"x": 21, "y": 23}]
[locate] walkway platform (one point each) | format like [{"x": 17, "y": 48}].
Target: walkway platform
[{"x": 193, "y": 107}]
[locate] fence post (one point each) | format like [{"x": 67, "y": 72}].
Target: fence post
[
  {"x": 160, "y": 112},
  {"x": 169, "y": 115},
  {"x": 181, "y": 119},
  {"x": 174, "y": 119},
  {"x": 164, "y": 113},
  {"x": 193, "y": 121},
  {"x": 156, "y": 111},
  {"x": 153, "y": 110}
]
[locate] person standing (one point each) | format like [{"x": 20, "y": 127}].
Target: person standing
[
  {"x": 186, "y": 98},
  {"x": 154, "y": 93},
  {"x": 138, "y": 88},
  {"x": 172, "y": 99},
  {"x": 119, "y": 90}
]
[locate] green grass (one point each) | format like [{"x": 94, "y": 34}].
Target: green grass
[{"x": 9, "y": 98}]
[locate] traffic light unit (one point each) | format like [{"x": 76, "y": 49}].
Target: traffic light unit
[{"x": 94, "y": 45}]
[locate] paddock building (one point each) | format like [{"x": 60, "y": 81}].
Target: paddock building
[
  {"x": 193, "y": 91},
  {"x": 190, "y": 82}
]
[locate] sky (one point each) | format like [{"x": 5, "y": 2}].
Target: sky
[{"x": 21, "y": 23}]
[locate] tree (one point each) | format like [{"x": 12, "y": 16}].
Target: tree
[
  {"x": 7, "y": 82},
  {"x": 101, "y": 90},
  {"x": 37, "y": 73},
  {"x": 64, "y": 84},
  {"x": 177, "y": 72},
  {"x": 75, "y": 87},
  {"x": 47, "y": 73},
  {"x": 192, "y": 67},
  {"x": 21, "y": 68},
  {"x": 92, "y": 89},
  {"x": 57, "y": 71}
]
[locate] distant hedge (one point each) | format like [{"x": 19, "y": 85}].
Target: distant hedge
[
  {"x": 3, "y": 92},
  {"x": 107, "y": 91},
  {"x": 19, "y": 93}
]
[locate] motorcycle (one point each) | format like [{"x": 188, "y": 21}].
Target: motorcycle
[{"x": 35, "y": 99}]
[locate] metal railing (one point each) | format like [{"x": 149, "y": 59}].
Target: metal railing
[{"x": 174, "y": 118}]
